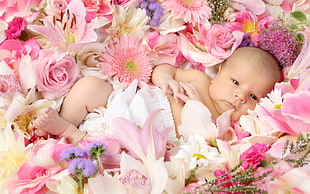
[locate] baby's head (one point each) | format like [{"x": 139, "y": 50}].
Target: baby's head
[{"x": 248, "y": 75}]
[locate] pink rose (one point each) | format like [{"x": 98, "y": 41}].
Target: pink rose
[
  {"x": 15, "y": 28},
  {"x": 56, "y": 73},
  {"x": 32, "y": 178},
  {"x": 42, "y": 166},
  {"x": 254, "y": 155},
  {"x": 221, "y": 42},
  {"x": 55, "y": 7}
]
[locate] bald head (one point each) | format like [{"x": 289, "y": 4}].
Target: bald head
[{"x": 262, "y": 61}]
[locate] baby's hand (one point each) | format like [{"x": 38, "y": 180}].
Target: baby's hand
[
  {"x": 171, "y": 87},
  {"x": 190, "y": 93}
]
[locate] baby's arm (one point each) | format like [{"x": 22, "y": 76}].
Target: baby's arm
[
  {"x": 182, "y": 84},
  {"x": 163, "y": 77}
]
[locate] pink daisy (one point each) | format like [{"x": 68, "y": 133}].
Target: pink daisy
[
  {"x": 127, "y": 59},
  {"x": 192, "y": 11}
]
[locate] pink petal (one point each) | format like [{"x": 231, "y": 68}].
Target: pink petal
[{"x": 297, "y": 105}]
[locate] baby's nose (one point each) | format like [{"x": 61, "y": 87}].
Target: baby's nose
[{"x": 240, "y": 96}]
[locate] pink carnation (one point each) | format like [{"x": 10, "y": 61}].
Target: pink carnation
[
  {"x": 254, "y": 155},
  {"x": 15, "y": 28},
  {"x": 56, "y": 73}
]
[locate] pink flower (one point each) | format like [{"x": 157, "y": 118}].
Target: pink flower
[
  {"x": 8, "y": 85},
  {"x": 165, "y": 47},
  {"x": 292, "y": 116},
  {"x": 254, "y": 155},
  {"x": 127, "y": 59},
  {"x": 112, "y": 158},
  {"x": 55, "y": 7},
  {"x": 195, "y": 11},
  {"x": 220, "y": 41},
  {"x": 15, "y": 28},
  {"x": 32, "y": 178},
  {"x": 248, "y": 23},
  {"x": 280, "y": 42},
  {"x": 42, "y": 167},
  {"x": 56, "y": 73},
  {"x": 17, "y": 49}
]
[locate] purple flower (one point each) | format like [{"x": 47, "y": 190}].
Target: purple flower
[
  {"x": 154, "y": 10},
  {"x": 281, "y": 42},
  {"x": 72, "y": 153},
  {"x": 96, "y": 149},
  {"x": 82, "y": 166},
  {"x": 246, "y": 40}
]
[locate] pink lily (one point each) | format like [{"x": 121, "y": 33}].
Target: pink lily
[
  {"x": 146, "y": 144},
  {"x": 255, "y": 6},
  {"x": 72, "y": 30},
  {"x": 290, "y": 117},
  {"x": 202, "y": 124},
  {"x": 301, "y": 63}
]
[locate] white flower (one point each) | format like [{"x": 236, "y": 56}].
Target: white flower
[
  {"x": 196, "y": 152},
  {"x": 13, "y": 153},
  {"x": 129, "y": 21},
  {"x": 273, "y": 99}
]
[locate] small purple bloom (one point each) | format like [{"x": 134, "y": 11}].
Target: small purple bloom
[
  {"x": 72, "y": 153},
  {"x": 96, "y": 149},
  {"x": 82, "y": 166},
  {"x": 154, "y": 10},
  {"x": 246, "y": 40}
]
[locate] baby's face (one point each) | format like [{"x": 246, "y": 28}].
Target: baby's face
[{"x": 239, "y": 87}]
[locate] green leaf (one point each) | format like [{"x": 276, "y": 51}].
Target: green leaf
[{"x": 300, "y": 16}]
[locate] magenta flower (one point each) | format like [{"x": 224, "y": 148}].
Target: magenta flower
[
  {"x": 127, "y": 59},
  {"x": 279, "y": 41},
  {"x": 15, "y": 28},
  {"x": 254, "y": 155}
]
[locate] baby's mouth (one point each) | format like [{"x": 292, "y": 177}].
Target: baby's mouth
[{"x": 231, "y": 105}]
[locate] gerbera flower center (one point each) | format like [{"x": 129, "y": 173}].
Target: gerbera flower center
[
  {"x": 131, "y": 67},
  {"x": 189, "y": 1}
]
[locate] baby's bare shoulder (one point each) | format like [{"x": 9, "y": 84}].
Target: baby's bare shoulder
[{"x": 192, "y": 75}]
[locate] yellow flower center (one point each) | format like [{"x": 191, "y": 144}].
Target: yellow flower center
[
  {"x": 199, "y": 156},
  {"x": 249, "y": 28},
  {"x": 131, "y": 67},
  {"x": 189, "y": 1},
  {"x": 278, "y": 106},
  {"x": 23, "y": 122}
]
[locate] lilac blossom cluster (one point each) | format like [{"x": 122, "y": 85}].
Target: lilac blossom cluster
[
  {"x": 281, "y": 42},
  {"x": 82, "y": 166},
  {"x": 154, "y": 10},
  {"x": 81, "y": 160}
]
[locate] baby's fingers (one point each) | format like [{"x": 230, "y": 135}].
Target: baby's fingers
[{"x": 190, "y": 91}]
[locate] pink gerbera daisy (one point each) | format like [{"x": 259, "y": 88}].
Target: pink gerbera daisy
[
  {"x": 127, "y": 59},
  {"x": 192, "y": 11}
]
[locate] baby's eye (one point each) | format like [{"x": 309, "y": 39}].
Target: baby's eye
[
  {"x": 235, "y": 82},
  {"x": 253, "y": 97}
]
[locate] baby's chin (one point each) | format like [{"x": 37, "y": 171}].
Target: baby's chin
[{"x": 235, "y": 116}]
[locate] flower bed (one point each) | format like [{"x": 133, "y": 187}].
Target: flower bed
[{"x": 47, "y": 45}]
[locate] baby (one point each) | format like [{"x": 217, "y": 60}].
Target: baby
[{"x": 245, "y": 77}]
